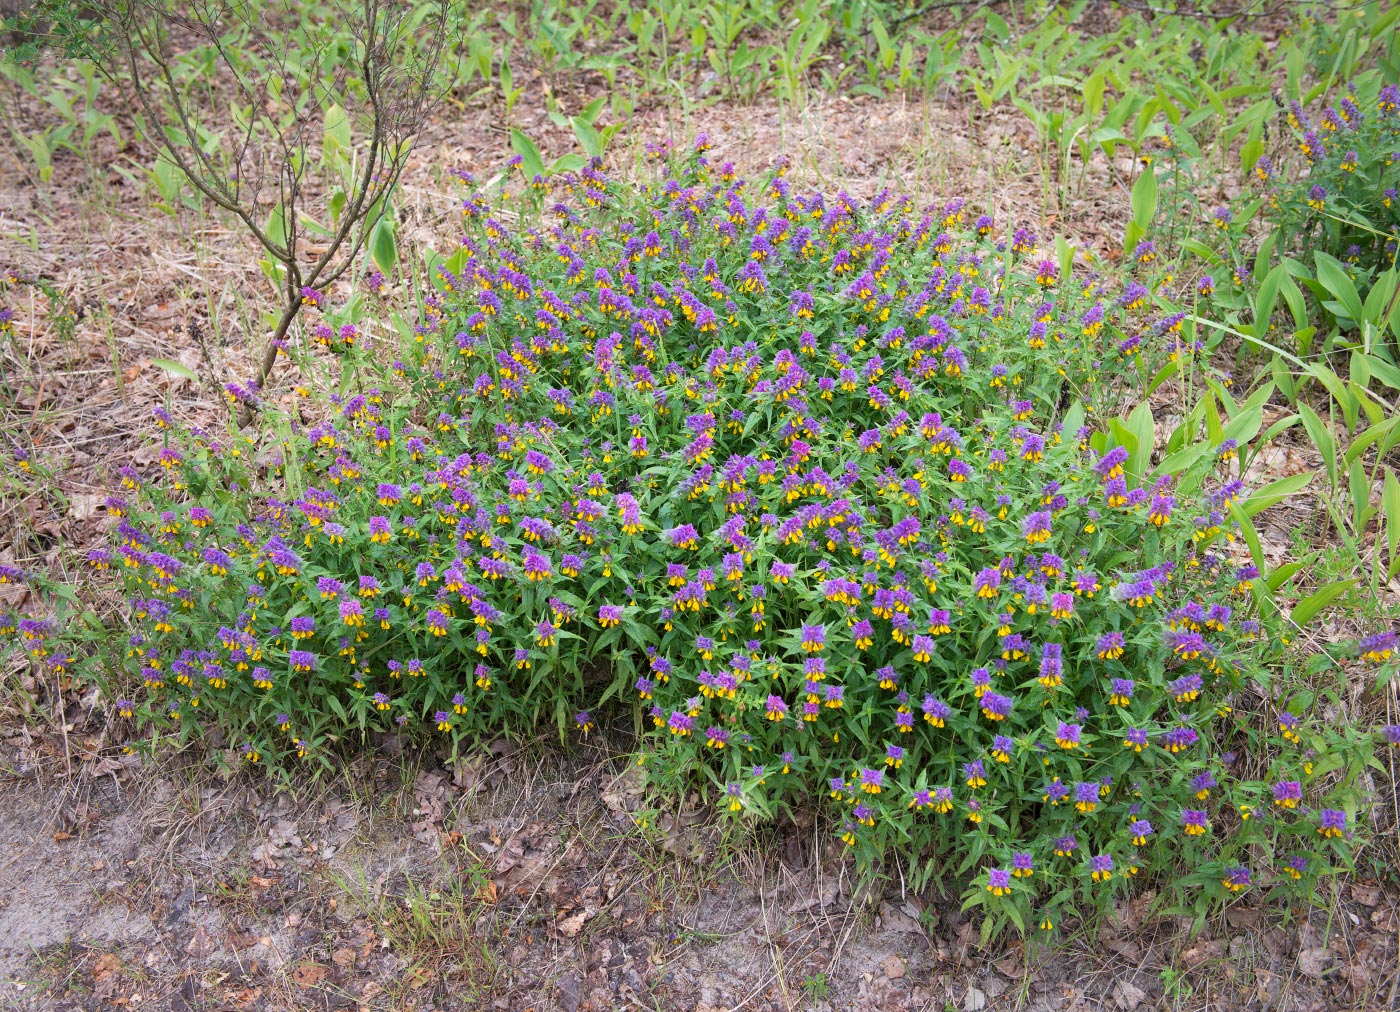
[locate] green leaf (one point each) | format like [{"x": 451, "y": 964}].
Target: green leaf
[
  {"x": 1338, "y": 390},
  {"x": 1074, "y": 418},
  {"x": 1280, "y": 576},
  {"x": 1144, "y": 198},
  {"x": 457, "y": 260},
  {"x": 1251, "y": 152},
  {"x": 1333, "y": 276},
  {"x": 335, "y": 135},
  {"x": 588, "y": 137},
  {"x": 1390, "y": 502},
  {"x": 1287, "y": 422},
  {"x": 1139, "y": 423},
  {"x": 1163, "y": 374},
  {"x": 1378, "y": 299},
  {"x": 337, "y": 205},
  {"x": 175, "y": 369},
  {"x": 530, "y": 160},
  {"x": 1360, "y": 497},
  {"x": 276, "y": 228},
  {"x": 1275, "y": 492},
  {"x": 1383, "y": 371},
  {"x": 1360, "y": 444},
  {"x": 1126, "y": 439},
  {"x": 1064, "y": 256},
  {"x": 1284, "y": 379},
  {"x": 1182, "y": 459},
  {"x": 1263, "y": 596},
  {"x": 1093, "y": 94},
  {"x": 1214, "y": 429},
  {"x": 383, "y": 249},
  {"x": 1199, "y": 249},
  {"x": 1321, "y": 436},
  {"x": 571, "y": 162},
  {"x": 592, "y": 109},
  {"x": 1265, "y": 299},
  {"x": 1309, "y": 607},
  {"x": 1244, "y": 426}
]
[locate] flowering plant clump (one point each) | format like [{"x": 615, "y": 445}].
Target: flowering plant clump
[
  {"x": 830, "y": 489},
  {"x": 1336, "y": 189}
]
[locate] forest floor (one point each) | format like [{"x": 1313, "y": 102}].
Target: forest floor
[{"x": 520, "y": 882}]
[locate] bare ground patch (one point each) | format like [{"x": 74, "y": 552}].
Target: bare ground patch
[{"x": 523, "y": 883}]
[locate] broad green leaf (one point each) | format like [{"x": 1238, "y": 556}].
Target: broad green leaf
[
  {"x": 175, "y": 369},
  {"x": 1064, "y": 256},
  {"x": 1368, "y": 437},
  {"x": 592, "y": 109},
  {"x": 1144, "y": 198},
  {"x": 1284, "y": 379},
  {"x": 1286, "y": 572},
  {"x": 1214, "y": 429},
  {"x": 1163, "y": 374},
  {"x": 337, "y": 205},
  {"x": 1378, "y": 300},
  {"x": 1383, "y": 371},
  {"x": 1074, "y": 419},
  {"x": 1275, "y": 492},
  {"x": 1322, "y": 438},
  {"x": 1390, "y": 503},
  {"x": 336, "y": 137},
  {"x": 1093, "y": 94},
  {"x": 1251, "y": 152},
  {"x": 1265, "y": 298},
  {"x": 1263, "y": 595},
  {"x": 1333, "y": 276},
  {"x": 1360, "y": 490},
  {"x": 588, "y": 136},
  {"x": 276, "y": 228},
  {"x": 1227, "y": 399},
  {"x": 1244, "y": 426},
  {"x": 1183, "y": 459},
  {"x": 1258, "y": 398},
  {"x": 1287, "y": 422},
  {"x": 531, "y": 162},
  {"x": 1309, "y": 607},
  {"x": 568, "y": 163},
  {"x": 383, "y": 249},
  {"x": 1263, "y": 255},
  {"x": 1338, "y": 390},
  {"x": 1139, "y": 423},
  {"x": 457, "y": 260}
]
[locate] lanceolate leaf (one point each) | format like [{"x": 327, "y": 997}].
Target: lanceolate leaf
[
  {"x": 1311, "y": 606},
  {"x": 383, "y": 249},
  {"x": 1275, "y": 492},
  {"x": 531, "y": 161},
  {"x": 175, "y": 369}
]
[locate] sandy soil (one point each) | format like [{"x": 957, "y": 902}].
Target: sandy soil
[{"x": 522, "y": 883}]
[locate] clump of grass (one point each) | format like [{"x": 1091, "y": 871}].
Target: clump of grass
[{"x": 441, "y": 931}]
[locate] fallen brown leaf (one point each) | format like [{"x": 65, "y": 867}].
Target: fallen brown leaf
[
  {"x": 309, "y": 974},
  {"x": 105, "y": 967},
  {"x": 570, "y": 926}
]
